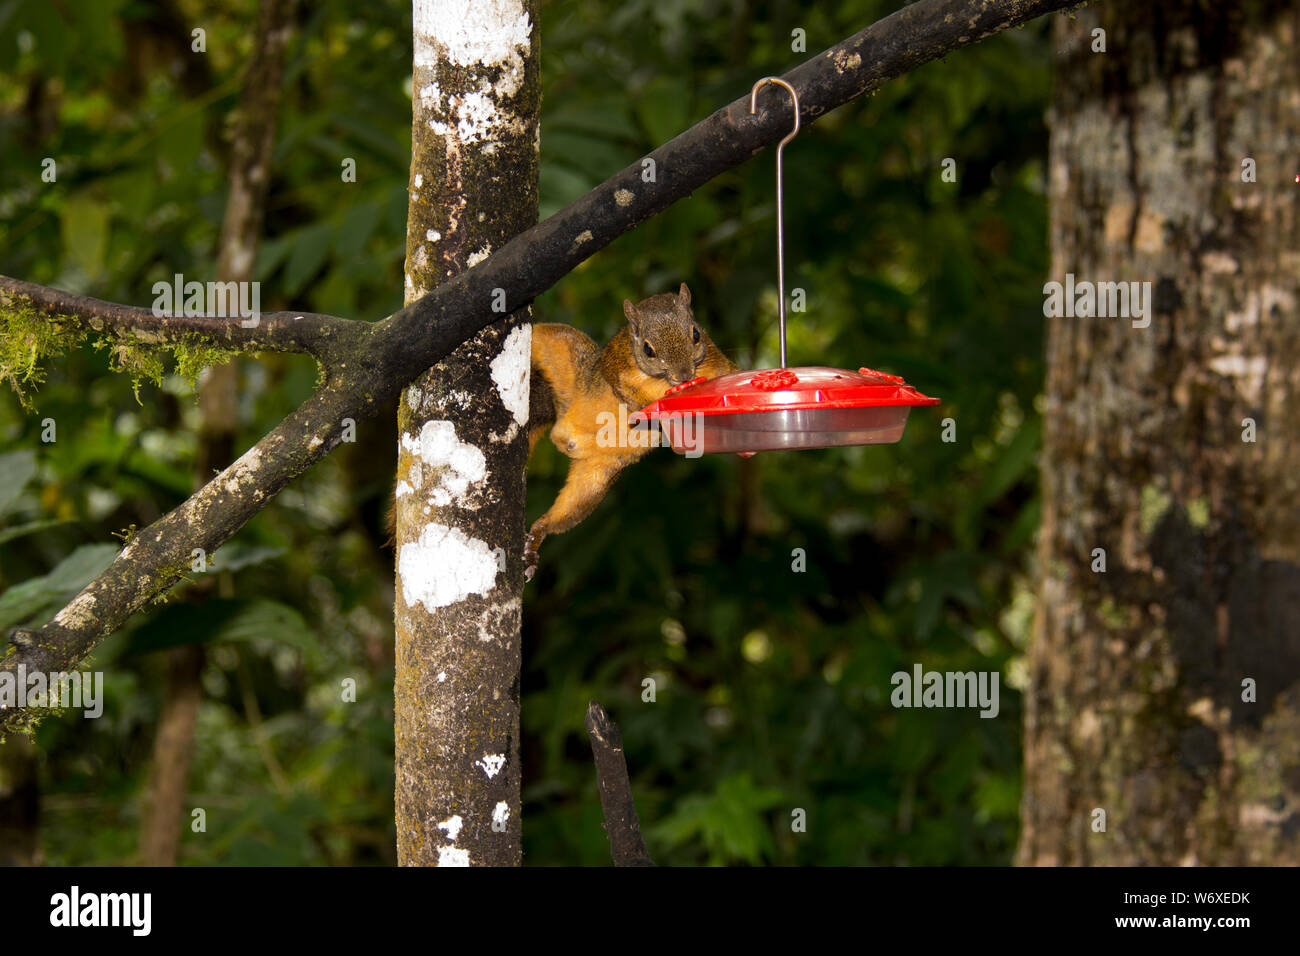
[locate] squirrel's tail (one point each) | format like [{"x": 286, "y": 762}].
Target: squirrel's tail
[{"x": 541, "y": 406}]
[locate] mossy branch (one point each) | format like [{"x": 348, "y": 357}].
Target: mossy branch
[
  {"x": 29, "y": 339},
  {"x": 38, "y": 323}
]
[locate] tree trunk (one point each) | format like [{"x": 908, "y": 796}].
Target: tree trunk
[
  {"x": 20, "y": 801},
  {"x": 173, "y": 745},
  {"x": 462, "y": 444},
  {"x": 1141, "y": 702}
]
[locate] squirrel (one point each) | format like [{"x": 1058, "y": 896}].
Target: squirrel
[{"x": 576, "y": 389}]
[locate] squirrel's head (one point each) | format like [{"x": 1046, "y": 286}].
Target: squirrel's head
[{"x": 666, "y": 340}]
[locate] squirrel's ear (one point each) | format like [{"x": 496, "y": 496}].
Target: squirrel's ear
[
  {"x": 630, "y": 311},
  {"x": 684, "y": 294}
]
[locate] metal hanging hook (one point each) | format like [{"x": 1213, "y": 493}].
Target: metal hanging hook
[{"x": 780, "y": 199}]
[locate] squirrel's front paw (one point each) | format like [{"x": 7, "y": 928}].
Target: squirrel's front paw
[{"x": 530, "y": 556}]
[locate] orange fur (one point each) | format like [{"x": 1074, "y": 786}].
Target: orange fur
[{"x": 586, "y": 386}]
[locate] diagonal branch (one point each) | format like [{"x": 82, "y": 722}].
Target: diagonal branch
[
  {"x": 323, "y": 336},
  {"x": 384, "y": 356}
]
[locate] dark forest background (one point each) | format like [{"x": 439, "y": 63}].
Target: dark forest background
[{"x": 773, "y": 685}]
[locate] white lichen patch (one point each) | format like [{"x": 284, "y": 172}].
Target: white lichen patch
[
  {"x": 444, "y": 566},
  {"x": 458, "y": 465},
  {"x": 403, "y": 489},
  {"x": 79, "y": 612},
  {"x": 491, "y": 764},
  {"x": 433, "y": 235},
  {"x": 478, "y": 119},
  {"x": 413, "y": 396},
  {"x": 1249, "y": 371},
  {"x": 242, "y": 471},
  {"x": 491, "y": 34},
  {"x": 1219, "y": 262},
  {"x": 623, "y": 197},
  {"x": 845, "y": 61},
  {"x": 460, "y": 397},
  {"x": 471, "y": 32},
  {"x": 452, "y": 856},
  {"x": 452, "y": 827},
  {"x": 510, "y": 372},
  {"x": 500, "y": 814},
  {"x": 476, "y": 257}
]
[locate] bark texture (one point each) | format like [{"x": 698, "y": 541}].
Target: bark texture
[
  {"x": 1136, "y": 702},
  {"x": 626, "y": 846},
  {"x": 462, "y": 443}
]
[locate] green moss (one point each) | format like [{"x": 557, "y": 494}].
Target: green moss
[
  {"x": 144, "y": 361},
  {"x": 29, "y": 337},
  {"x": 1153, "y": 507},
  {"x": 1112, "y": 615},
  {"x": 193, "y": 355},
  {"x": 168, "y": 578},
  {"x": 126, "y": 534},
  {"x": 129, "y": 358}
]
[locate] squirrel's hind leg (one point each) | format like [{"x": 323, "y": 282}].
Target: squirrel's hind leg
[{"x": 588, "y": 482}]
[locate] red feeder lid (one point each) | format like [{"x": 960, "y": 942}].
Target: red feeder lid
[
  {"x": 784, "y": 408},
  {"x": 765, "y": 390}
]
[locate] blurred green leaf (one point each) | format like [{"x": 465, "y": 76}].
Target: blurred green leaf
[
  {"x": 310, "y": 248},
  {"x": 222, "y": 619},
  {"x": 17, "y": 468},
  {"x": 85, "y": 233},
  {"x": 22, "y": 601}
]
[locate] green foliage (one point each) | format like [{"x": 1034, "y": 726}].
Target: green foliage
[
  {"x": 730, "y": 824},
  {"x": 772, "y": 687}
]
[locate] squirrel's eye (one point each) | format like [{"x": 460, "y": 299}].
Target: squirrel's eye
[
  {"x": 650, "y": 353},
  {"x": 695, "y": 334}
]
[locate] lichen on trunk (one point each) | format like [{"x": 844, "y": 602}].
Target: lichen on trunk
[
  {"x": 1136, "y": 701},
  {"x": 462, "y": 444}
]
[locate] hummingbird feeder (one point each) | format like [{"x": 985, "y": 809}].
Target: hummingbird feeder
[{"x": 809, "y": 406}]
